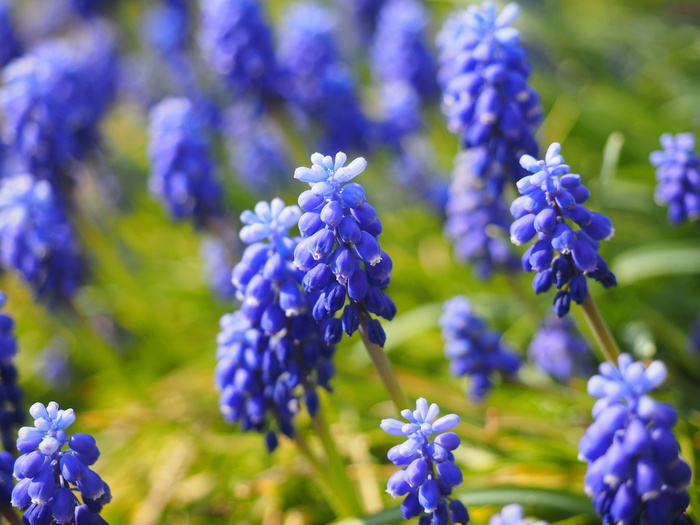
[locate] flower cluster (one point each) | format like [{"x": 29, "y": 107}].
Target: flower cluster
[
  {"x": 474, "y": 350},
  {"x": 634, "y": 473},
  {"x": 272, "y": 347},
  {"x": 88, "y": 8},
  {"x": 11, "y": 411},
  {"x": 678, "y": 174},
  {"x": 559, "y": 350},
  {"x": 513, "y": 514},
  {"x": 551, "y": 197},
  {"x": 483, "y": 72},
  {"x": 476, "y": 216},
  {"x": 429, "y": 472},
  {"x": 53, "y": 100},
  {"x": 182, "y": 171},
  {"x": 36, "y": 238},
  {"x": 50, "y": 475},
  {"x": 236, "y": 41},
  {"x": 257, "y": 146},
  {"x": 399, "y": 52},
  {"x": 11, "y": 47},
  {"x": 339, "y": 254},
  {"x": 315, "y": 82}
]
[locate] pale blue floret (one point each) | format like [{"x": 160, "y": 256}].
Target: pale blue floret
[
  {"x": 269, "y": 221},
  {"x": 325, "y": 175}
]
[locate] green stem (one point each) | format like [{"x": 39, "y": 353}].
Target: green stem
[
  {"x": 336, "y": 463},
  {"x": 338, "y": 503},
  {"x": 10, "y": 515},
  {"x": 383, "y": 366},
  {"x": 600, "y": 329}
]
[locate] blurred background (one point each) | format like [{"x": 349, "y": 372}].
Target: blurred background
[{"x": 135, "y": 354}]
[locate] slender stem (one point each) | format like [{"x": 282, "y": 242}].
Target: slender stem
[
  {"x": 337, "y": 501},
  {"x": 600, "y": 329},
  {"x": 10, "y": 515},
  {"x": 336, "y": 463},
  {"x": 383, "y": 365}
]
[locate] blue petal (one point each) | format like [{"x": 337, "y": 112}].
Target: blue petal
[
  {"x": 309, "y": 175},
  {"x": 351, "y": 171}
]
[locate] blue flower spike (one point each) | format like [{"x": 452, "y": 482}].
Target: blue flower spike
[
  {"x": 559, "y": 350},
  {"x": 271, "y": 353},
  {"x": 551, "y": 201},
  {"x": 634, "y": 473},
  {"x": 486, "y": 98},
  {"x": 474, "y": 350},
  {"x": 339, "y": 252},
  {"x": 429, "y": 473},
  {"x": 54, "y": 468},
  {"x": 678, "y": 176}
]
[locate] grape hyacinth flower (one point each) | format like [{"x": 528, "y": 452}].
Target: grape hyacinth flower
[
  {"x": 53, "y": 100},
  {"x": 486, "y": 98},
  {"x": 51, "y": 475},
  {"x": 339, "y": 253},
  {"x": 429, "y": 473},
  {"x": 399, "y": 52},
  {"x": 473, "y": 349},
  {"x": 236, "y": 42},
  {"x": 257, "y": 146},
  {"x": 559, "y": 350},
  {"x": 316, "y": 84},
  {"x": 11, "y": 47},
  {"x": 678, "y": 175},
  {"x": 513, "y": 514},
  {"x": 272, "y": 350},
  {"x": 550, "y": 199},
  {"x": 182, "y": 171},
  {"x": 477, "y": 218},
  {"x": 634, "y": 473},
  {"x": 11, "y": 410},
  {"x": 36, "y": 238}
]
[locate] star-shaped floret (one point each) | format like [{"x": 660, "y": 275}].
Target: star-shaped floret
[{"x": 326, "y": 176}]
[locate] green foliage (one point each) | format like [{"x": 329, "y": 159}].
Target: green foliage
[{"x": 142, "y": 345}]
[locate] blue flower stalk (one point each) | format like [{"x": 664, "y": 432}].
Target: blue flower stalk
[
  {"x": 678, "y": 176},
  {"x": 11, "y": 408},
  {"x": 54, "y": 469},
  {"x": 316, "y": 84},
  {"x": 551, "y": 202},
  {"x": 340, "y": 253},
  {"x": 477, "y": 219},
  {"x": 271, "y": 353},
  {"x": 559, "y": 350},
  {"x": 399, "y": 52},
  {"x": 513, "y": 514},
  {"x": 236, "y": 42},
  {"x": 182, "y": 170},
  {"x": 486, "y": 98},
  {"x": 53, "y": 100},
  {"x": 37, "y": 240},
  {"x": 634, "y": 473},
  {"x": 257, "y": 146},
  {"x": 429, "y": 473},
  {"x": 474, "y": 350},
  {"x": 340, "y": 258}
]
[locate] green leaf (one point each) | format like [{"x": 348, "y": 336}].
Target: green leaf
[
  {"x": 657, "y": 260},
  {"x": 560, "y": 501}
]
